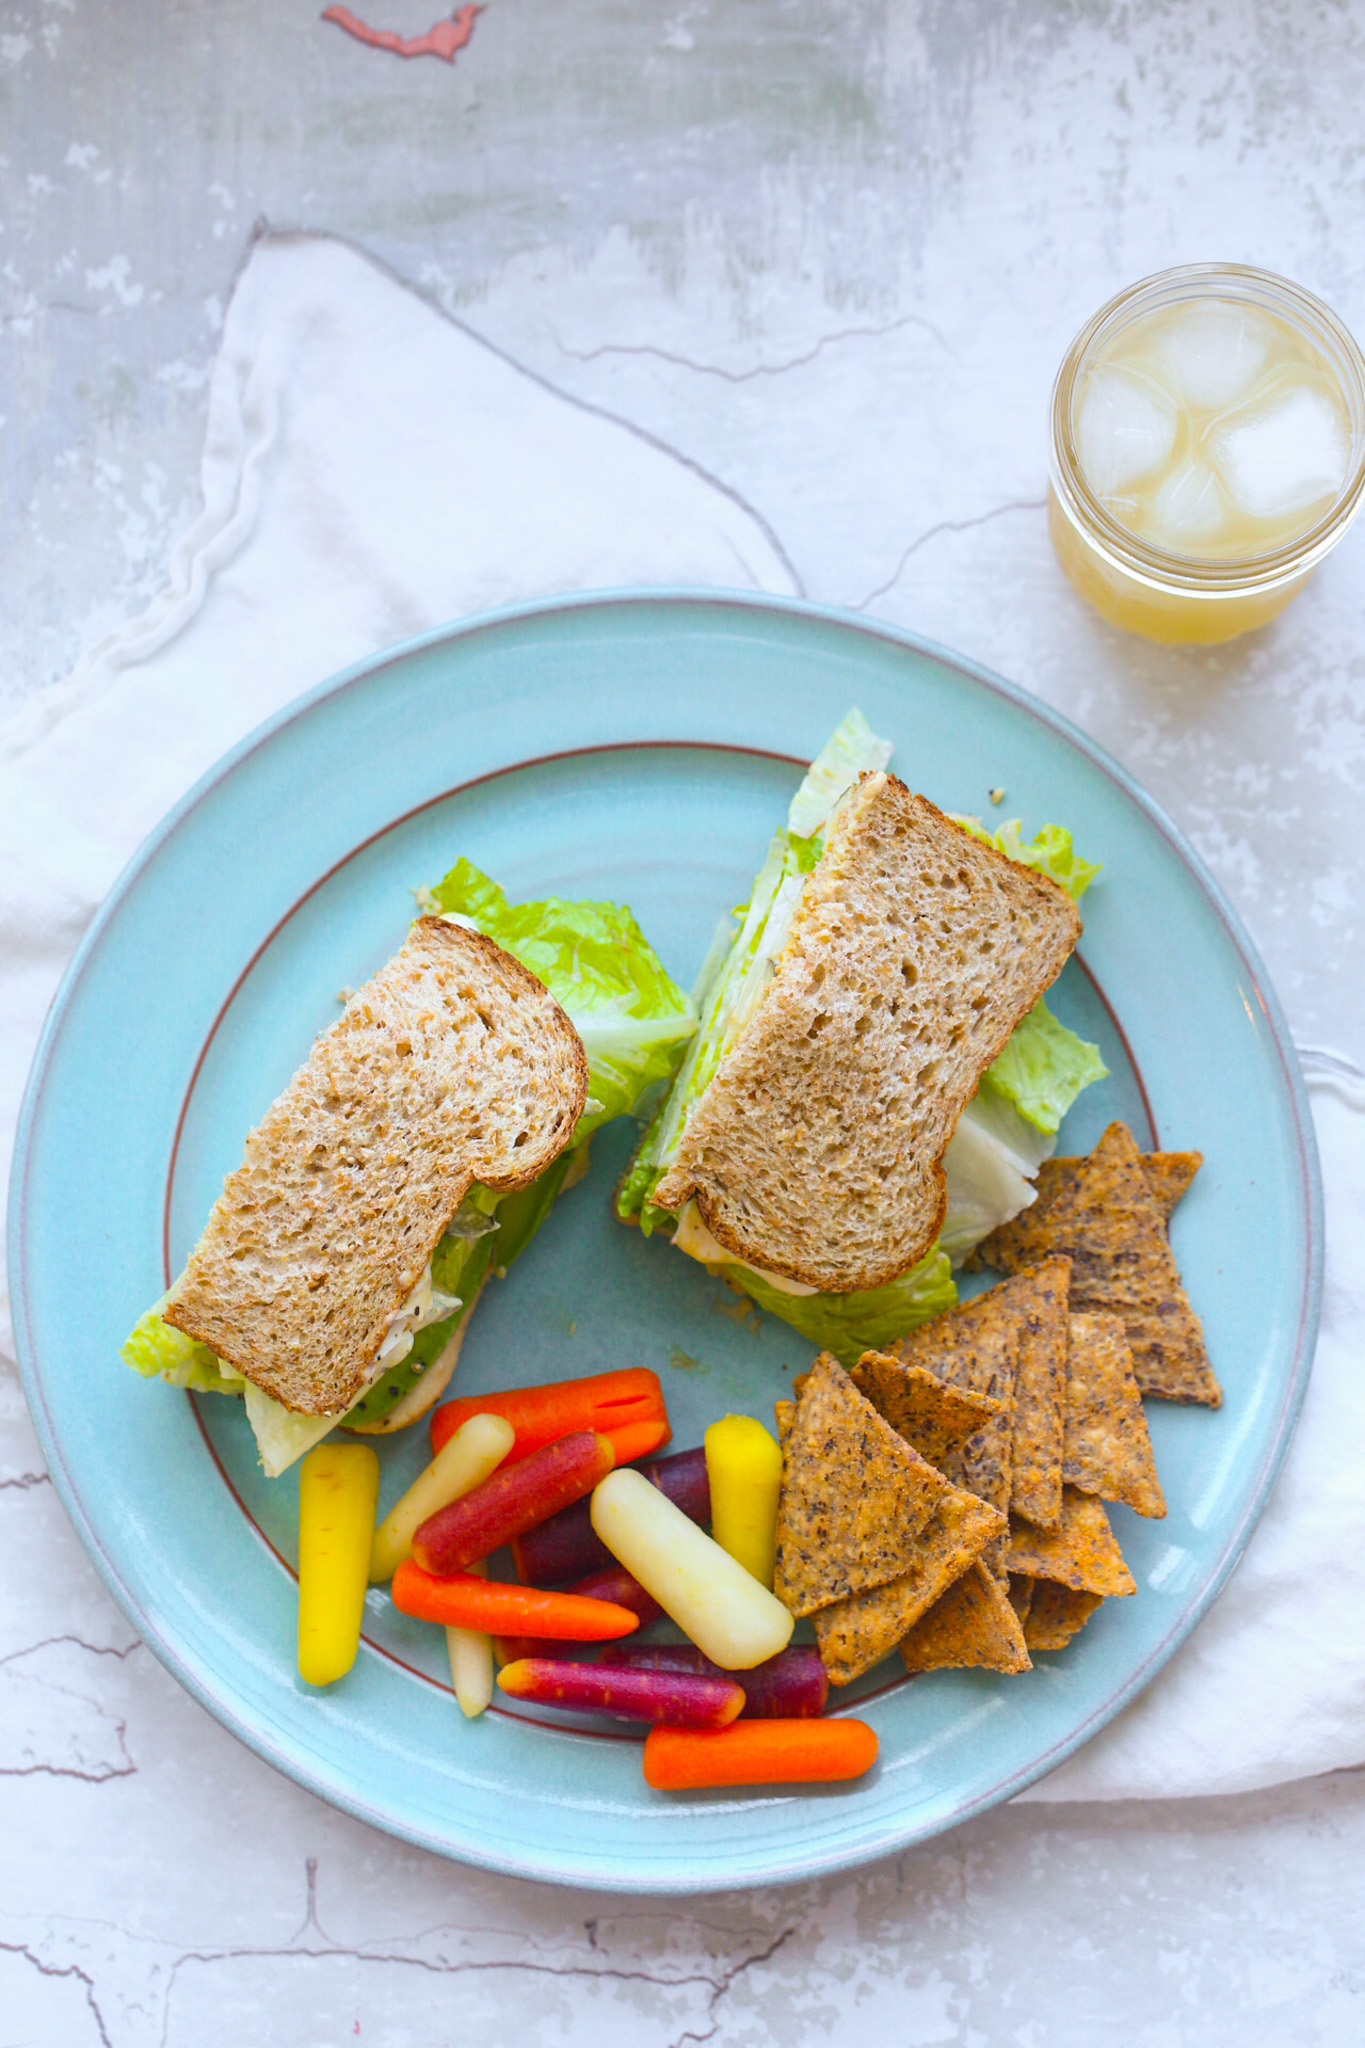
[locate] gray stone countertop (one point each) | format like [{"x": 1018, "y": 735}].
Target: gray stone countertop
[{"x": 833, "y": 254}]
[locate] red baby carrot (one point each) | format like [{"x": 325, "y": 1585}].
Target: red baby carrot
[
  {"x": 681, "y": 1699},
  {"x": 466, "y": 1601},
  {"x": 792, "y": 1685},
  {"x": 567, "y": 1545},
  {"x": 627, "y": 1406},
  {"x": 511, "y": 1500},
  {"x": 758, "y": 1753}
]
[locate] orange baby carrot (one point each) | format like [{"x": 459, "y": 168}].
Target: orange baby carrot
[
  {"x": 758, "y": 1753},
  {"x": 466, "y": 1601},
  {"x": 627, "y": 1406}
]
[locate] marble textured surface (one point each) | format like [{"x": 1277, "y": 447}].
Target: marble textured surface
[{"x": 832, "y": 254}]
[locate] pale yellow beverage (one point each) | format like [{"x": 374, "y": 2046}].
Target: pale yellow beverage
[{"x": 1208, "y": 449}]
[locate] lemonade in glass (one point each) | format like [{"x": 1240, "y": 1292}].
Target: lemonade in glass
[{"x": 1208, "y": 449}]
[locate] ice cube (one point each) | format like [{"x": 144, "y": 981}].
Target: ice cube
[
  {"x": 1281, "y": 457},
  {"x": 1188, "y": 509},
  {"x": 1124, "y": 430},
  {"x": 1212, "y": 353}
]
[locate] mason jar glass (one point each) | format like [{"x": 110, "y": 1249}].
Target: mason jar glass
[{"x": 1113, "y": 547}]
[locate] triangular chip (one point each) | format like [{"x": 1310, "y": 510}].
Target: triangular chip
[
  {"x": 976, "y": 1347},
  {"x": 856, "y": 1633},
  {"x": 1056, "y": 1614},
  {"x": 1107, "y": 1222},
  {"x": 1020, "y": 1590},
  {"x": 854, "y": 1496},
  {"x": 1081, "y": 1553},
  {"x": 1027, "y": 1237},
  {"x": 932, "y": 1416},
  {"x": 1040, "y": 1295},
  {"x": 1108, "y": 1450},
  {"x": 972, "y": 1625}
]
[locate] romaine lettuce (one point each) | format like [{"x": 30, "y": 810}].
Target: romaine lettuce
[
  {"x": 159, "y": 1351},
  {"x": 599, "y": 967},
  {"x": 1043, "y": 1068},
  {"x": 1050, "y": 852},
  {"x": 849, "y": 1324}
]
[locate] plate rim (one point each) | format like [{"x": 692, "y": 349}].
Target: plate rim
[{"x": 887, "y": 1840}]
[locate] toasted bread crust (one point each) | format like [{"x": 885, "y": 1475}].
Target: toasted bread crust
[
  {"x": 816, "y": 1152},
  {"x": 452, "y": 1064}
]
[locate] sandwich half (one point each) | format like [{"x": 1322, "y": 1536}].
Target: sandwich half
[
  {"x": 414, "y": 1155},
  {"x": 875, "y": 1078}
]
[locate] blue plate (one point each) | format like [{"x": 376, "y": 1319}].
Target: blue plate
[{"x": 641, "y": 748}]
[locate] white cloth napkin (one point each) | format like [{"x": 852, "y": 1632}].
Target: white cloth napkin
[{"x": 370, "y": 470}]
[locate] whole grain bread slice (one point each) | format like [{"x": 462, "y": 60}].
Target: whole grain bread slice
[
  {"x": 816, "y": 1150},
  {"x": 452, "y": 1064}
]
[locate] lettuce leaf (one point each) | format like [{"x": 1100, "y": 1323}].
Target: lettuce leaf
[
  {"x": 1050, "y": 852},
  {"x": 849, "y": 1324},
  {"x": 158, "y": 1351},
  {"x": 851, "y": 750},
  {"x": 1043, "y": 1068},
  {"x": 599, "y": 967}
]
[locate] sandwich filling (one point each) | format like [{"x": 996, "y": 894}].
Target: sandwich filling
[
  {"x": 633, "y": 1022},
  {"x": 1001, "y": 1137}
]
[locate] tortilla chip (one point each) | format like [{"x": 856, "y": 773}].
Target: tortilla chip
[
  {"x": 1040, "y": 1294},
  {"x": 1081, "y": 1553},
  {"x": 1056, "y": 1615},
  {"x": 854, "y": 1496},
  {"x": 1021, "y": 1591},
  {"x": 973, "y": 1625},
  {"x": 856, "y": 1633},
  {"x": 1106, "y": 1220},
  {"x": 1108, "y": 1450},
  {"x": 936, "y": 1418},
  {"x": 1026, "y": 1237},
  {"x": 976, "y": 1347},
  {"x": 1169, "y": 1176}
]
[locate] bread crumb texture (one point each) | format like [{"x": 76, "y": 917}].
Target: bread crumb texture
[
  {"x": 452, "y": 1064},
  {"x": 816, "y": 1151}
]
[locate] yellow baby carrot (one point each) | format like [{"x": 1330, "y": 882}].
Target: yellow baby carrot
[
  {"x": 338, "y": 1493},
  {"x": 744, "y": 1466}
]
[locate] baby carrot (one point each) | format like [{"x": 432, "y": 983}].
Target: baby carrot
[
  {"x": 471, "y": 1664},
  {"x": 511, "y": 1649},
  {"x": 700, "y": 1586},
  {"x": 565, "y": 1547},
  {"x": 758, "y": 1753},
  {"x": 744, "y": 1466},
  {"x": 495, "y": 1609},
  {"x": 627, "y": 1406},
  {"x": 338, "y": 1490},
  {"x": 477, "y": 1448},
  {"x": 510, "y": 1500},
  {"x": 680, "y": 1699}
]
